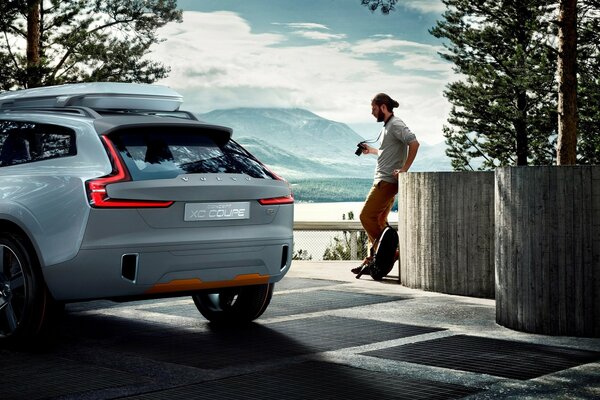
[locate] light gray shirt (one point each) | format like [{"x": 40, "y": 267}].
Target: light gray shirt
[{"x": 395, "y": 137}]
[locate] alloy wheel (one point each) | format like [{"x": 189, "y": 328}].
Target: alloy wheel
[{"x": 13, "y": 291}]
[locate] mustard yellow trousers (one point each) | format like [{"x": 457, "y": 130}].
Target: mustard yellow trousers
[{"x": 377, "y": 206}]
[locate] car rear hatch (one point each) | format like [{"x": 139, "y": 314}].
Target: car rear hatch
[
  {"x": 179, "y": 175},
  {"x": 185, "y": 208}
]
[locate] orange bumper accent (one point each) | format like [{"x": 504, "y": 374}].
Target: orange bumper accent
[{"x": 183, "y": 285}]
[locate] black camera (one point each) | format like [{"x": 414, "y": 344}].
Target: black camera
[{"x": 360, "y": 148}]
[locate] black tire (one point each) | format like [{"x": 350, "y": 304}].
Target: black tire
[
  {"x": 234, "y": 306},
  {"x": 385, "y": 257},
  {"x": 26, "y": 306}
]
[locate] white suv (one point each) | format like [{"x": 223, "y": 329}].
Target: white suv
[{"x": 109, "y": 191}]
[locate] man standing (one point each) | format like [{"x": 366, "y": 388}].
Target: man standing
[{"x": 395, "y": 155}]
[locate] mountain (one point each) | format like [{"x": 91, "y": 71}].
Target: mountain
[
  {"x": 432, "y": 157},
  {"x": 299, "y": 144}
]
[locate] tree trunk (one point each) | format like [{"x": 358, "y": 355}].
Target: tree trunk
[
  {"x": 521, "y": 130},
  {"x": 33, "y": 43},
  {"x": 567, "y": 84}
]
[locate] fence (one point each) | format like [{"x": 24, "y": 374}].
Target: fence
[{"x": 330, "y": 240}]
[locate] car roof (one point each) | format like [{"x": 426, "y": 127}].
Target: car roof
[
  {"x": 95, "y": 95},
  {"x": 110, "y": 105}
]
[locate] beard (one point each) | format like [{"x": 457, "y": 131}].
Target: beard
[{"x": 380, "y": 116}]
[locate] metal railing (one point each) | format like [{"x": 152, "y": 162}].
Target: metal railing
[{"x": 331, "y": 240}]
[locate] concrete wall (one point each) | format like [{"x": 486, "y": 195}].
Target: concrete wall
[
  {"x": 547, "y": 249},
  {"x": 528, "y": 235},
  {"x": 446, "y": 231}
]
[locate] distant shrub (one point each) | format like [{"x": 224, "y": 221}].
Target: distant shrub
[
  {"x": 341, "y": 248},
  {"x": 302, "y": 255}
]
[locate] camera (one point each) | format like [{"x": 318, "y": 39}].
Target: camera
[{"x": 360, "y": 148}]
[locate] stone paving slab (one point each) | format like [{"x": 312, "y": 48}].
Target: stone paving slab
[{"x": 315, "y": 380}]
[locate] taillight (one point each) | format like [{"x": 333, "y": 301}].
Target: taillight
[
  {"x": 97, "y": 187},
  {"x": 277, "y": 200},
  {"x": 289, "y": 199}
]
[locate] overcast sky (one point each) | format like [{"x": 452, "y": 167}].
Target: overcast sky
[{"x": 327, "y": 56}]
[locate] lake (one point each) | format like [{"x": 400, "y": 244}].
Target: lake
[
  {"x": 315, "y": 243},
  {"x": 330, "y": 211}
]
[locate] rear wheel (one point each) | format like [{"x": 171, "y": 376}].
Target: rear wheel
[
  {"x": 26, "y": 306},
  {"x": 236, "y": 305}
]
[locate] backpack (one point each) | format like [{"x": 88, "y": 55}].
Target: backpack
[{"x": 383, "y": 259}]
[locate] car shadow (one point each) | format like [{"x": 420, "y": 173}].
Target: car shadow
[
  {"x": 166, "y": 358},
  {"x": 203, "y": 345}
]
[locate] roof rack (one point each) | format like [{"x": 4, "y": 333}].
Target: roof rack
[
  {"x": 83, "y": 111},
  {"x": 95, "y": 95}
]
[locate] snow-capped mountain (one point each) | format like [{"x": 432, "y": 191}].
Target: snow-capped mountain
[{"x": 299, "y": 144}]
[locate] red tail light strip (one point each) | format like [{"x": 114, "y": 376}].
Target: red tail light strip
[
  {"x": 277, "y": 200},
  {"x": 289, "y": 199},
  {"x": 97, "y": 187}
]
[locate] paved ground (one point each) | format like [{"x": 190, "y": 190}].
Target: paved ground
[{"x": 326, "y": 335}]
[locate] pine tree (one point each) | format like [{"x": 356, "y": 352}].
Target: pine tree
[
  {"x": 504, "y": 109},
  {"x": 47, "y": 42},
  {"x": 588, "y": 94},
  {"x": 567, "y": 82}
]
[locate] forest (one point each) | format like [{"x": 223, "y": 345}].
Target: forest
[{"x": 330, "y": 189}]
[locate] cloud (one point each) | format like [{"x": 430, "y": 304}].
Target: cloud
[
  {"x": 217, "y": 62},
  {"x": 303, "y": 25},
  {"x": 428, "y": 63},
  {"x": 313, "y": 31},
  {"x": 390, "y": 45},
  {"x": 429, "y": 6},
  {"x": 316, "y": 35}
]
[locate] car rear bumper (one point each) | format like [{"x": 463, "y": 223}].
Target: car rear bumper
[{"x": 166, "y": 269}]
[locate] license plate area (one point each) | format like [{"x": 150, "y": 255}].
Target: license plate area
[{"x": 217, "y": 211}]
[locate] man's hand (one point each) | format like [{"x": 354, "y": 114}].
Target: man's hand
[
  {"x": 369, "y": 150},
  {"x": 413, "y": 147},
  {"x": 397, "y": 172}
]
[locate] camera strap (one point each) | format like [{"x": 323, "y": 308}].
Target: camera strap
[{"x": 374, "y": 140}]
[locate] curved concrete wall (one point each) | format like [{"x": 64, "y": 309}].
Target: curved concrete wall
[
  {"x": 446, "y": 230},
  {"x": 547, "y": 249}
]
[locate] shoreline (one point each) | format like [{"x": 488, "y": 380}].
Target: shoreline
[{"x": 331, "y": 211}]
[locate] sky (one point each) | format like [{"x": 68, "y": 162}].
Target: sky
[{"x": 327, "y": 56}]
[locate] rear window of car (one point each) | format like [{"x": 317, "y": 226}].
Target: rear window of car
[
  {"x": 160, "y": 155},
  {"x": 24, "y": 142}
]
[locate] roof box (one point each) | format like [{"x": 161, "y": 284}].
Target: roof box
[{"x": 95, "y": 95}]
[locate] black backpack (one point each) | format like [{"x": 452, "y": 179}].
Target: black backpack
[{"x": 382, "y": 260}]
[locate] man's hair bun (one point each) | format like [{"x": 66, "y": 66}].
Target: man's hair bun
[{"x": 382, "y": 98}]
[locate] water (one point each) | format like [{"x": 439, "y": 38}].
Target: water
[
  {"x": 316, "y": 242},
  {"x": 325, "y": 211}
]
